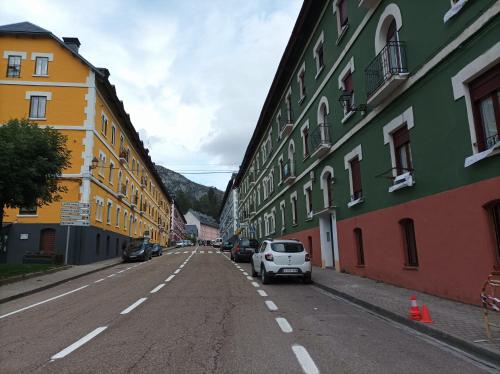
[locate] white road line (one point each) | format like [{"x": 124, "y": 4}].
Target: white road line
[
  {"x": 272, "y": 306},
  {"x": 169, "y": 278},
  {"x": 130, "y": 267},
  {"x": 99, "y": 280},
  {"x": 255, "y": 284},
  {"x": 177, "y": 271},
  {"x": 249, "y": 277},
  {"x": 262, "y": 293},
  {"x": 180, "y": 267},
  {"x": 157, "y": 288},
  {"x": 43, "y": 302},
  {"x": 210, "y": 252},
  {"x": 170, "y": 253},
  {"x": 240, "y": 269},
  {"x": 202, "y": 251},
  {"x": 186, "y": 251},
  {"x": 121, "y": 271},
  {"x": 245, "y": 273},
  {"x": 79, "y": 343},
  {"x": 305, "y": 360},
  {"x": 134, "y": 305},
  {"x": 111, "y": 275},
  {"x": 284, "y": 325}
]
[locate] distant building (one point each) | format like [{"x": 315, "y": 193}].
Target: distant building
[
  {"x": 208, "y": 228},
  {"x": 177, "y": 224},
  {"x": 228, "y": 215},
  {"x": 191, "y": 230}
]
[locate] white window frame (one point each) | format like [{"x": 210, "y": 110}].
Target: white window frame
[
  {"x": 104, "y": 124},
  {"x": 302, "y": 69},
  {"x": 102, "y": 163},
  {"x": 111, "y": 171},
  {"x": 113, "y": 133},
  {"x": 308, "y": 186},
  {"x": 109, "y": 210},
  {"x": 319, "y": 42},
  {"x": 118, "y": 212},
  {"x": 341, "y": 30},
  {"x": 322, "y": 184},
  {"x": 460, "y": 84},
  {"x": 302, "y": 128},
  {"x": 357, "y": 152},
  {"x": 294, "y": 200},
  {"x": 99, "y": 201},
  {"x": 405, "y": 118},
  {"x": 349, "y": 68},
  {"x": 48, "y": 97},
  {"x": 390, "y": 12},
  {"x": 278, "y": 123},
  {"x": 282, "y": 209}
]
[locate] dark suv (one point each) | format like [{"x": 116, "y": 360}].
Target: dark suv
[
  {"x": 137, "y": 249},
  {"x": 243, "y": 249}
]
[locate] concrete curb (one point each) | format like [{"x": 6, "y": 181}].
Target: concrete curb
[
  {"x": 47, "y": 286},
  {"x": 484, "y": 354}
]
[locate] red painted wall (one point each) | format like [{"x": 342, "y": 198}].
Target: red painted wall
[
  {"x": 315, "y": 251},
  {"x": 454, "y": 236}
]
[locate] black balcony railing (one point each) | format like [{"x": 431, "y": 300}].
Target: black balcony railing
[
  {"x": 321, "y": 136},
  {"x": 491, "y": 141},
  {"x": 389, "y": 62},
  {"x": 287, "y": 119}
]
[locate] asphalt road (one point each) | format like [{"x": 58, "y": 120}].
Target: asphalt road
[{"x": 199, "y": 312}]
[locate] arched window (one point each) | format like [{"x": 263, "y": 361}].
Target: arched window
[{"x": 326, "y": 184}]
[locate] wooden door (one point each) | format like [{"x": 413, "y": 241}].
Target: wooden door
[{"x": 48, "y": 241}]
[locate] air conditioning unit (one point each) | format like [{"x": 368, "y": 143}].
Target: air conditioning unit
[{"x": 401, "y": 181}]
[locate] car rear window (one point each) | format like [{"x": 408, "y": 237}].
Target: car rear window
[
  {"x": 287, "y": 247},
  {"x": 251, "y": 243}
]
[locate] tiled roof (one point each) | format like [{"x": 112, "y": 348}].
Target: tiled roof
[{"x": 24, "y": 27}]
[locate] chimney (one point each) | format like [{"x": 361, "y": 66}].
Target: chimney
[{"x": 72, "y": 43}]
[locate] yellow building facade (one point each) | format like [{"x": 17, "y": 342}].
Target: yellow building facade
[{"x": 49, "y": 82}]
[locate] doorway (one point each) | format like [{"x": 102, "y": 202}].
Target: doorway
[
  {"x": 328, "y": 240},
  {"x": 48, "y": 241}
]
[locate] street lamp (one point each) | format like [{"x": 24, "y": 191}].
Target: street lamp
[
  {"x": 94, "y": 164},
  {"x": 345, "y": 100}
]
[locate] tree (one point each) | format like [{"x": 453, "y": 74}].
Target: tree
[{"x": 32, "y": 159}]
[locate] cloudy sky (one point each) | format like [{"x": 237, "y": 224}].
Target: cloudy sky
[{"x": 192, "y": 74}]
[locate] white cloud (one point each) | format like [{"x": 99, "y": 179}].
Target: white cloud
[{"x": 193, "y": 75}]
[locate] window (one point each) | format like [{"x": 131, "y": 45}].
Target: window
[
  {"x": 118, "y": 212},
  {"x": 102, "y": 163},
  {"x": 342, "y": 9},
  {"x": 494, "y": 213},
  {"x": 111, "y": 171},
  {"x": 288, "y": 101},
  {"x": 301, "y": 78},
  {"x": 293, "y": 201},
  {"x": 41, "y": 66},
  {"x": 113, "y": 135},
  {"x": 410, "y": 245},
  {"x": 402, "y": 151},
  {"x": 357, "y": 191},
  {"x": 305, "y": 138},
  {"x": 358, "y": 238},
  {"x": 28, "y": 211},
  {"x": 108, "y": 212},
  {"x": 309, "y": 205},
  {"x": 347, "y": 83},
  {"x": 14, "y": 66},
  {"x": 125, "y": 220},
  {"x": 37, "y": 107},
  {"x": 104, "y": 124},
  {"x": 99, "y": 208},
  {"x": 282, "y": 209},
  {"x": 319, "y": 54},
  {"x": 485, "y": 96}
]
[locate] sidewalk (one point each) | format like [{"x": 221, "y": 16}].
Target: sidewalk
[
  {"x": 460, "y": 325},
  {"x": 28, "y": 286}
]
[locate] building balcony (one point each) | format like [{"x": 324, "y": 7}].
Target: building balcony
[
  {"x": 134, "y": 202},
  {"x": 123, "y": 156},
  {"x": 386, "y": 72},
  {"x": 143, "y": 182},
  {"x": 286, "y": 124},
  {"x": 122, "y": 191},
  {"x": 320, "y": 141},
  {"x": 289, "y": 172}
]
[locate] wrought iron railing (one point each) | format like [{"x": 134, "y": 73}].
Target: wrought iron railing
[
  {"x": 490, "y": 141},
  {"x": 321, "y": 136},
  {"x": 390, "y": 61},
  {"x": 286, "y": 119}
]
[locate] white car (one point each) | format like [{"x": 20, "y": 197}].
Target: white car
[{"x": 281, "y": 258}]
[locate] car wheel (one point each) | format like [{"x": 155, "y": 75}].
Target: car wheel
[
  {"x": 264, "y": 276},
  {"x": 307, "y": 279},
  {"x": 254, "y": 273}
]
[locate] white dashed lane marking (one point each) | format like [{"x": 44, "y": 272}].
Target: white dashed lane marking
[
  {"x": 134, "y": 305},
  {"x": 305, "y": 360},
  {"x": 177, "y": 271},
  {"x": 245, "y": 273},
  {"x": 255, "y": 284},
  {"x": 262, "y": 293},
  {"x": 111, "y": 275},
  {"x": 249, "y": 277},
  {"x": 99, "y": 280},
  {"x": 284, "y": 325},
  {"x": 272, "y": 306},
  {"x": 157, "y": 288},
  {"x": 79, "y": 343},
  {"x": 170, "y": 278}
]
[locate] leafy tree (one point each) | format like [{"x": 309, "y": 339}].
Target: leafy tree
[{"x": 31, "y": 160}]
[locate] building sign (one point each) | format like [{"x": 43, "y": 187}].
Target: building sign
[{"x": 75, "y": 214}]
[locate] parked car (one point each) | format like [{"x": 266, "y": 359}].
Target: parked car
[
  {"x": 281, "y": 258},
  {"x": 180, "y": 243},
  {"x": 217, "y": 243},
  {"x": 226, "y": 246},
  {"x": 137, "y": 249},
  {"x": 157, "y": 250},
  {"x": 243, "y": 249}
]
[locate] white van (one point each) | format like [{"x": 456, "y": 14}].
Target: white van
[{"x": 217, "y": 243}]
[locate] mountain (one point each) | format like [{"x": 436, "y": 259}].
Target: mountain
[{"x": 191, "y": 195}]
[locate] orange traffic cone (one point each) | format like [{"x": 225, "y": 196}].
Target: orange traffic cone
[
  {"x": 414, "y": 311},
  {"x": 426, "y": 316}
]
